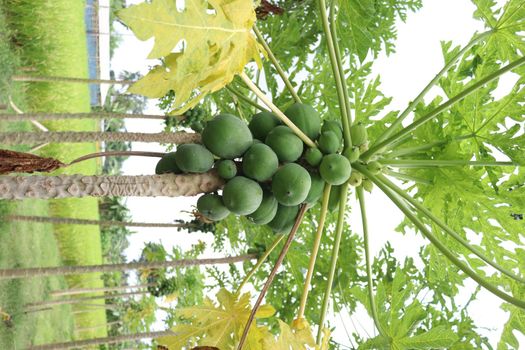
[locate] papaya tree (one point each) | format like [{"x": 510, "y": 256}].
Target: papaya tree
[{"x": 458, "y": 146}]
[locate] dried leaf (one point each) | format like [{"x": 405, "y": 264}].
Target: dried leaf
[{"x": 19, "y": 162}]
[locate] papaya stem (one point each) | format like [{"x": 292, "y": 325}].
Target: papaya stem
[
  {"x": 370, "y": 284},
  {"x": 277, "y": 66},
  {"x": 277, "y": 111},
  {"x": 379, "y": 146},
  {"x": 411, "y": 150},
  {"x": 245, "y": 99},
  {"x": 388, "y": 132},
  {"x": 447, "y": 229},
  {"x": 315, "y": 250},
  {"x": 333, "y": 262},
  {"x": 337, "y": 74},
  {"x": 271, "y": 276},
  {"x": 340, "y": 68},
  {"x": 419, "y": 163},
  {"x": 406, "y": 177},
  {"x": 435, "y": 241},
  {"x": 261, "y": 260}
]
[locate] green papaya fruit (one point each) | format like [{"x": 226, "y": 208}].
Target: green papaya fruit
[
  {"x": 211, "y": 206},
  {"x": 285, "y": 144},
  {"x": 359, "y": 134},
  {"x": 306, "y": 118},
  {"x": 167, "y": 165},
  {"x": 242, "y": 196},
  {"x": 355, "y": 179},
  {"x": 291, "y": 184},
  {"x": 226, "y": 168},
  {"x": 316, "y": 189},
  {"x": 284, "y": 219},
  {"x": 266, "y": 211},
  {"x": 374, "y": 167},
  {"x": 262, "y": 123},
  {"x": 335, "y": 195},
  {"x": 329, "y": 142},
  {"x": 334, "y": 126},
  {"x": 227, "y": 136},
  {"x": 193, "y": 158},
  {"x": 313, "y": 156},
  {"x": 335, "y": 169},
  {"x": 352, "y": 154},
  {"x": 259, "y": 162},
  {"x": 368, "y": 185}
]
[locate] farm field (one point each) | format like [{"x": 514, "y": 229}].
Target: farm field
[{"x": 47, "y": 40}]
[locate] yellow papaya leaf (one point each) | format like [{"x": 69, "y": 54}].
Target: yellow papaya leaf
[
  {"x": 218, "y": 325},
  {"x": 291, "y": 338},
  {"x": 203, "y": 45},
  {"x": 171, "y": 297}
]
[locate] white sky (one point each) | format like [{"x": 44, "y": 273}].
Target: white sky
[{"x": 404, "y": 74}]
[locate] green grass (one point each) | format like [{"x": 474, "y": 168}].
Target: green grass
[{"x": 50, "y": 38}]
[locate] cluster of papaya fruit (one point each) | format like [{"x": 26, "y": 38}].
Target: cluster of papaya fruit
[{"x": 267, "y": 170}]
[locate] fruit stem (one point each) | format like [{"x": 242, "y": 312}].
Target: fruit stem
[
  {"x": 418, "y": 163},
  {"x": 277, "y": 66},
  {"x": 337, "y": 74},
  {"x": 435, "y": 241},
  {"x": 277, "y": 111},
  {"x": 379, "y": 146},
  {"x": 333, "y": 32},
  {"x": 271, "y": 276},
  {"x": 429, "y": 86},
  {"x": 335, "y": 255},
  {"x": 315, "y": 250},
  {"x": 261, "y": 260},
  {"x": 370, "y": 284},
  {"x": 448, "y": 230},
  {"x": 245, "y": 99}
]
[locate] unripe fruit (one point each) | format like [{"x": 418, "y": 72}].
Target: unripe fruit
[
  {"x": 211, "y": 206},
  {"x": 167, "y": 165},
  {"x": 242, "y": 196},
  {"x": 368, "y": 185},
  {"x": 262, "y": 123},
  {"x": 374, "y": 167},
  {"x": 329, "y": 142},
  {"x": 285, "y": 144},
  {"x": 313, "y": 156},
  {"x": 259, "y": 162},
  {"x": 266, "y": 211},
  {"x": 227, "y": 136},
  {"x": 291, "y": 184},
  {"x": 306, "y": 118},
  {"x": 334, "y": 126},
  {"x": 335, "y": 169},
  {"x": 355, "y": 179},
  {"x": 227, "y": 169},
  {"x": 193, "y": 158},
  {"x": 359, "y": 134},
  {"x": 352, "y": 154}
]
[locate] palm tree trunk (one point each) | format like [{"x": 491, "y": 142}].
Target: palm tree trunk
[
  {"x": 70, "y": 301},
  {"x": 74, "y": 221},
  {"x": 49, "y": 79},
  {"x": 68, "y": 292},
  {"x": 18, "y": 138},
  {"x": 67, "y": 186},
  {"x": 101, "y": 341},
  {"x": 75, "y": 270},
  {"x": 93, "y": 115}
]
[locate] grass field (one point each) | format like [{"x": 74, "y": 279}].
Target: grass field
[{"x": 49, "y": 37}]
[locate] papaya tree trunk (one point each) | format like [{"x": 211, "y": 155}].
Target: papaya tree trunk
[
  {"x": 67, "y": 186},
  {"x": 74, "y": 221},
  {"x": 93, "y": 115},
  {"x": 57, "y": 79},
  {"x": 76, "y": 291},
  {"x": 71, "y": 301},
  {"x": 101, "y": 341},
  {"x": 75, "y": 270},
  {"x": 18, "y": 138}
]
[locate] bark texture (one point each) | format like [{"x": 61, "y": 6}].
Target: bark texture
[
  {"x": 75, "y": 221},
  {"x": 67, "y": 186},
  {"x": 101, "y": 341},
  {"x": 25, "y": 138},
  {"x": 75, "y": 270}
]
